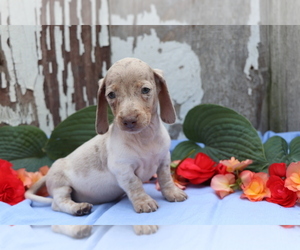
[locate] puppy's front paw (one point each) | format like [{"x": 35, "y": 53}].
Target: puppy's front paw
[
  {"x": 145, "y": 205},
  {"x": 174, "y": 194},
  {"x": 74, "y": 231},
  {"x": 145, "y": 229},
  {"x": 82, "y": 208}
]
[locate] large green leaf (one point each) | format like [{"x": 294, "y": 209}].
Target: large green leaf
[
  {"x": 24, "y": 147},
  {"x": 276, "y": 150},
  {"x": 71, "y": 133},
  {"x": 225, "y": 133},
  {"x": 295, "y": 150},
  {"x": 183, "y": 149}
]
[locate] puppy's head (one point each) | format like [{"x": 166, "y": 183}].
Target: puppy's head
[{"x": 133, "y": 89}]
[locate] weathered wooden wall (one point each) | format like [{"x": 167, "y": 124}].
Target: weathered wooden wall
[
  {"x": 54, "y": 12},
  {"x": 49, "y": 72},
  {"x": 284, "y": 91},
  {"x": 202, "y": 64}
]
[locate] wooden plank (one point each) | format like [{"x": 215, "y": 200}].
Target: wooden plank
[
  {"x": 157, "y": 12},
  {"x": 51, "y": 72},
  {"x": 285, "y": 78},
  {"x": 54, "y": 12}
]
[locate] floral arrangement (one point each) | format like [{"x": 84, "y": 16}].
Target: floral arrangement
[
  {"x": 281, "y": 185},
  {"x": 14, "y": 183},
  {"x": 214, "y": 133}
]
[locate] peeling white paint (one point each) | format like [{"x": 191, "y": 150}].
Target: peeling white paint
[
  {"x": 93, "y": 38},
  {"x": 45, "y": 118},
  {"x": 104, "y": 13},
  {"x": 4, "y": 9},
  {"x": 58, "y": 13},
  {"x": 24, "y": 55},
  {"x": 144, "y": 18},
  {"x": 17, "y": 116},
  {"x": 3, "y": 81},
  {"x": 5, "y": 34},
  {"x": 78, "y": 10},
  {"x": 254, "y": 17},
  {"x": 48, "y": 42},
  {"x": 38, "y": 8},
  {"x": 22, "y": 10},
  {"x": 178, "y": 61},
  {"x": 60, "y": 68},
  {"x": 85, "y": 96},
  {"x": 67, "y": 37},
  {"x": 118, "y": 20},
  {"x": 153, "y": 18},
  {"x": 253, "y": 53},
  {"x": 104, "y": 66},
  {"x": 67, "y": 12},
  {"x": 104, "y": 36},
  {"x": 249, "y": 91},
  {"x": 81, "y": 47},
  {"x": 50, "y": 67},
  {"x": 48, "y": 21},
  {"x": 70, "y": 91},
  {"x": 254, "y": 39}
]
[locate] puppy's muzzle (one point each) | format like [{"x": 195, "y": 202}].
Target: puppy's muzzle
[{"x": 129, "y": 122}]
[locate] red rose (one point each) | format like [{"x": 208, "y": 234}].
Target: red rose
[
  {"x": 278, "y": 169},
  {"x": 11, "y": 187},
  {"x": 197, "y": 170},
  {"x": 279, "y": 193}
]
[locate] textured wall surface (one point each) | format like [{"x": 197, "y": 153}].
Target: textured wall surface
[
  {"x": 54, "y": 12},
  {"x": 284, "y": 89},
  {"x": 202, "y": 64},
  {"x": 49, "y": 72}
]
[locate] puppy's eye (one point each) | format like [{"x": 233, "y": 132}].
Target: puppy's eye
[
  {"x": 111, "y": 95},
  {"x": 145, "y": 90}
]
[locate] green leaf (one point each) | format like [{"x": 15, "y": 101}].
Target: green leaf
[
  {"x": 225, "y": 133},
  {"x": 295, "y": 150},
  {"x": 71, "y": 133},
  {"x": 19, "y": 144},
  {"x": 276, "y": 150},
  {"x": 183, "y": 148},
  {"x": 32, "y": 164}
]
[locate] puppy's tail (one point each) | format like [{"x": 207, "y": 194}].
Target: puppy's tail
[{"x": 31, "y": 192}]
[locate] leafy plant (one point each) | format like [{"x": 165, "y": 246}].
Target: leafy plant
[
  {"x": 28, "y": 146},
  {"x": 226, "y": 133}
]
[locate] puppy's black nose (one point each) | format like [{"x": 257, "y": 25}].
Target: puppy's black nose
[{"x": 130, "y": 122}]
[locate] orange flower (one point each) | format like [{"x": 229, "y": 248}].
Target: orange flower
[
  {"x": 23, "y": 176},
  {"x": 29, "y": 178},
  {"x": 254, "y": 185},
  {"x": 292, "y": 181},
  {"x": 234, "y": 164},
  {"x": 222, "y": 184}
]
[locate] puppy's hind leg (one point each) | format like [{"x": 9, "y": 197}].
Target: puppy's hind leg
[{"x": 62, "y": 202}]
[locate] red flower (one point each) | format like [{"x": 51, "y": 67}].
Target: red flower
[
  {"x": 279, "y": 193},
  {"x": 222, "y": 169},
  {"x": 11, "y": 187},
  {"x": 197, "y": 170},
  {"x": 278, "y": 169}
]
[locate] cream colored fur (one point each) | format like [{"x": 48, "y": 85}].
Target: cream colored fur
[{"x": 122, "y": 156}]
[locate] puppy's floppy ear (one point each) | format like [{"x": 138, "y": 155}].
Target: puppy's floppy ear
[
  {"x": 101, "y": 115},
  {"x": 167, "y": 112}
]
